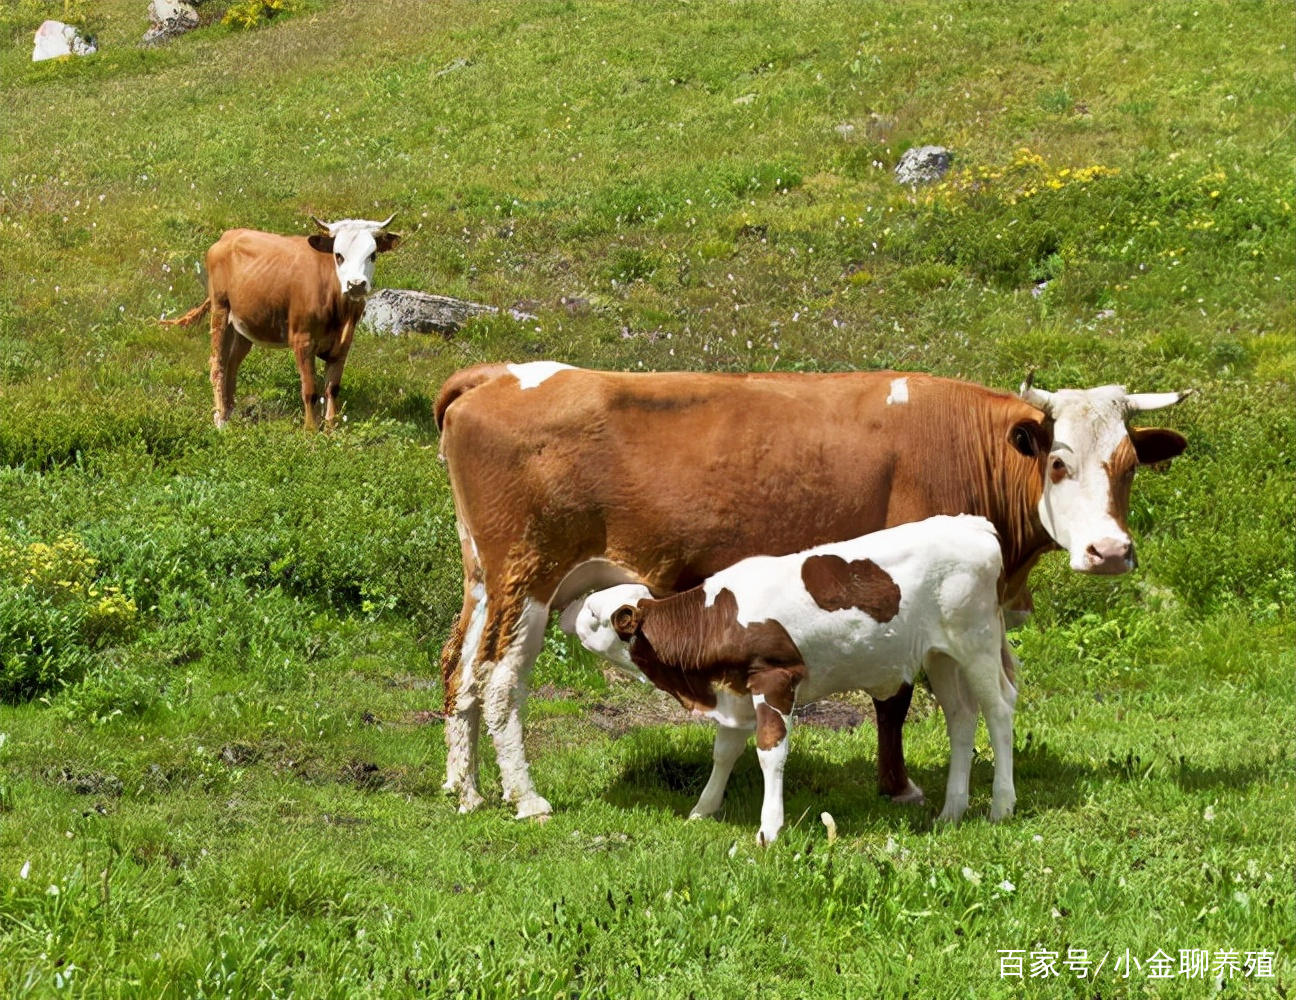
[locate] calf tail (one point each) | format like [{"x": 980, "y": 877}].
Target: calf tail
[
  {"x": 461, "y": 382},
  {"x": 192, "y": 316}
]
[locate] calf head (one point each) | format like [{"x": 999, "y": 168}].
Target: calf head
[
  {"x": 607, "y": 621},
  {"x": 1090, "y": 465},
  {"x": 355, "y": 244}
]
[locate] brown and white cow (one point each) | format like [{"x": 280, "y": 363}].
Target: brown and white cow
[
  {"x": 306, "y": 293},
  {"x": 869, "y": 614},
  {"x": 567, "y": 481}
]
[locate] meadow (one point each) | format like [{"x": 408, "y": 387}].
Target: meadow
[{"x": 220, "y": 754}]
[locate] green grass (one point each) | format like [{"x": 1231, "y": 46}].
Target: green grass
[{"x": 233, "y": 790}]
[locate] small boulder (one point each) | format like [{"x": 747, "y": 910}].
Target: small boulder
[
  {"x": 55, "y": 39},
  {"x": 169, "y": 19},
  {"x": 923, "y": 165},
  {"x": 403, "y": 310}
]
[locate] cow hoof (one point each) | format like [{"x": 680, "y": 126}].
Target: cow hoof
[
  {"x": 533, "y": 805},
  {"x": 219, "y": 421},
  {"x": 998, "y": 813},
  {"x": 469, "y": 801},
  {"x": 764, "y": 839},
  {"x": 911, "y": 796},
  {"x": 699, "y": 815}
]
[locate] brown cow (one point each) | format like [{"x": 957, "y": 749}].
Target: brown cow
[
  {"x": 567, "y": 481},
  {"x": 303, "y": 292}
]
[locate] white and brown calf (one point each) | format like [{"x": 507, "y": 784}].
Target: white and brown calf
[{"x": 770, "y": 632}]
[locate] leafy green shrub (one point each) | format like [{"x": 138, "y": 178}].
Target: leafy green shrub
[
  {"x": 110, "y": 690},
  {"x": 54, "y": 615},
  {"x": 255, "y": 13}
]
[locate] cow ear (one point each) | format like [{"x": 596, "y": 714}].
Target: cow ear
[
  {"x": 387, "y": 241},
  {"x": 1156, "y": 444},
  {"x": 625, "y": 621},
  {"x": 324, "y": 244},
  {"x": 1027, "y": 437}
]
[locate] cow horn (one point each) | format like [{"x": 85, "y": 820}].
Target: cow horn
[
  {"x": 1038, "y": 398},
  {"x": 1030, "y": 380},
  {"x": 387, "y": 222},
  {"x": 1137, "y": 402},
  {"x": 323, "y": 225}
]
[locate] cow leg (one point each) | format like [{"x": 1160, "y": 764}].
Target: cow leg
[
  {"x": 238, "y": 351},
  {"x": 773, "y": 728},
  {"x": 997, "y": 698},
  {"x": 514, "y": 636},
  {"x": 960, "y": 710},
  {"x": 462, "y": 703},
  {"x": 893, "y": 777},
  {"x": 306, "y": 369},
  {"x": 223, "y": 336},
  {"x": 333, "y": 382}
]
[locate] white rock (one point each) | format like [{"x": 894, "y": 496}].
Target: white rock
[
  {"x": 922, "y": 165},
  {"x": 168, "y": 19},
  {"x": 402, "y": 310},
  {"x": 55, "y": 39}
]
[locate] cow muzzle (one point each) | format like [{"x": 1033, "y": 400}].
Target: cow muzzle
[
  {"x": 1109, "y": 557},
  {"x": 357, "y": 288}
]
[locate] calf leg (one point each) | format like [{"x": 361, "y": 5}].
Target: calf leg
[
  {"x": 960, "y": 724},
  {"x": 893, "y": 777},
  {"x": 729, "y": 745},
  {"x": 737, "y": 716},
  {"x": 997, "y": 698},
  {"x": 514, "y": 636},
  {"x": 772, "y": 731}
]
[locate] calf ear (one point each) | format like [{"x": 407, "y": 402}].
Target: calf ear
[
  {"x": 324, "y": 244},
  {"x": 1156, "y": 444},
  {"x": 625, "y": 621},
  {"x": 387, "y": 241}
]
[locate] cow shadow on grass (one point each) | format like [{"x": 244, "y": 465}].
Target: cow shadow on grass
[{"x": 661, "y": 770}]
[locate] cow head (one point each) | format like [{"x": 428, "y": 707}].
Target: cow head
[
  {"x": 603, "y": 626},
  {"x": 355, "y": 244},
  {"x": 1090, "y": 465}
]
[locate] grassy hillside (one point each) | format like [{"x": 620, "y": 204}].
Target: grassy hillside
[{"x": 219, "y": 767}]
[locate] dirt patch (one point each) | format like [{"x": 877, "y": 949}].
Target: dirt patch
[
  {"x": 363, "y": 774},
  {"x": 551, "y": 692},
  {"x": 830, "y": 714},
  {"x": 87, "y": 782},
  {"x": 239, "y": 754},
  {"x": 423, "y": 717},
  {"x": 630, "y": 706}
]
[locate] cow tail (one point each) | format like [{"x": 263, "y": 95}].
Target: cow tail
[
  {"x": 192, "y": 316},
  {"x": 461, "y": 382}
]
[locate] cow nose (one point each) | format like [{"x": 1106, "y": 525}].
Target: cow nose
[
  {"x": 1109, "y": 556},
  {"x": 357, "y": 286}
]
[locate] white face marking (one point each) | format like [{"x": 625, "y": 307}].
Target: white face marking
[
  {"x": 532, "y": 373},
  {"x": 594, "y": 623},
  {"x": 355, "y": 249},
  {"x": 1088, "y": 427},
  {"x": 899, "y": 391}
]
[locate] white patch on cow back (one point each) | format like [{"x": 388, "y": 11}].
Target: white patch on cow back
[
  {"x": 532, "y": 373},
  {"x": 899, "y": 391}
]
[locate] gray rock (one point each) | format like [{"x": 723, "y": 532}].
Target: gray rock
[
  {"x": 169, "y": 19},
  {"x": 922, "y": 165},
  {"x": 55, "y": 39},
  {"x": 403, "y": 310}
]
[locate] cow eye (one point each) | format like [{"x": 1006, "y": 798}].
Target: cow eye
[
  {"x": 373, "y": 256},
  {"x": 1058, "y": 468},
  {"x": 337, "y": 257}
]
